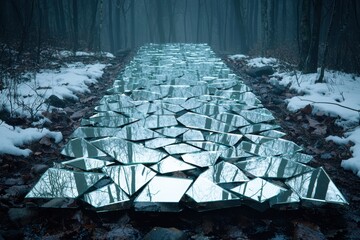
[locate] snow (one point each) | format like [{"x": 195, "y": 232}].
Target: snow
[
  {"x": 27, "y": 98},
  {"x": 353, "y": 163},
  {"x": 14, "y": 137},
  {"x": 262, "y": 61},
  {"x": 238, "y": 57},
  {"x": 337, "y": 97}
]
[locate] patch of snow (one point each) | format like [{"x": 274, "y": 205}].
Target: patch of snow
[
  {"x": 353, "y": 163},
  {"x": 107, "y": 54},
  {"x": 238, "y": 57},
  {"x": 28, "y": 98},
  {"x": 340, "y": 89},
  {"x": 12, "y": 138},
  {"x": 82, "y": 54},
  {"x": 262, "y": 61}
]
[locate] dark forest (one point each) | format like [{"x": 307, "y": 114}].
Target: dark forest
[{"x": 326, "y": 32}]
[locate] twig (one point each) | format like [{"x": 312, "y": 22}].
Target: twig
[
  {"x": 297, "y": 79},
  {"x": 352, "y": 109}
]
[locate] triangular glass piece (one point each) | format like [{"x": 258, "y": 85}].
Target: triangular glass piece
[
  {"x": 197, "y": 121},
  {"x": 258, "y": 190},
  {"x": 316, "y": 186},
  {"x": 258, "y": 128},
  {"x": 171, "y": 164},
  {"x": 129, "y": 178},
  {"x": 180, "y": 148},
  {"x": 106, "y": 196},
  {"x": 81, "y": 148},
  {"x": 273, "y": 167},
  {"x": 204, "y": 191},
  {"x": 136, "y": 133},
  {"x": 232, "y": 119},
  {"x": 61, "y": 183},
  {"x": 164, "y": 189},
  {"x": 258, "y": 115},
  {"x": 224, "y": 172},
  {"x": 87, "y": 164},
  {"x": 228, "y": 139},
  {"x": 202, "y": 159},
  {"x": 193, "y": 135},
  {"x": 159, "y": 142}
]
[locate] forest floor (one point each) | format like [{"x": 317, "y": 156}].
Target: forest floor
[{"x": 20, "y": 219}]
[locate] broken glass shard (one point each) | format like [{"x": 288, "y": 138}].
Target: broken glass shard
[
  {"x": 172, "y": 131},
  {"x": 145, "y": 95},
  {"x": 61, "y": 183},
  {"x": 164, "y": 189},
  {"x": 232, "y": 119},
  {"x": 258, "y": 189},
  {"x": 136, "y": 133},
  {"x": 208, "y": 146},
  {"x": 258, "y": 128},
  {"x": 278, "y": 147},
  {"x": 273, "y": 167},
  {"x": 316, "y": 186},
  {"x": 224, "y": 172},
  {"x": 192, "y": 103},
  {"x": 130, "y": 178},
  {"x": 159, "y": 142},
  {"x": 180, "y": 148},
  {"x": 201, "y": 159},
  {"x": 156, "y": 121},
  {"x": 81, "y": 148},
  {"x": 93, "y": 132},
  {"x": 87, "y": 164},
  {"x": 235, "y": 153},
  {"x": 247, "y": 98},
  {"x": 285, "y": 197},
  {"x": 171, "y": 164},
  {"x": 209, "y": 109},
  {"x": 197, "y": 121},
  {"x": 127, "y": 152},
  {"x": 106, "y": 196},
  {"x": 258, "y": 115},
  {"x": 111, "y": 121},
  {"x": 193, "y": 135},
  {"x": 257, "y": 139},
  {"x": 272, "y": 134},
  {"x": 204, "y": 191},
  {"x": 228, "y": 139},
  {"x": 298, "y": 157}
]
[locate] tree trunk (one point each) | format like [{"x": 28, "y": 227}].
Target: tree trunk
[
  {"x": 111, "y": 29},
  {"x": 93, "y": 33},
  {"x": 326, "y": 47},
  {"x": 76, "y": 26},
  {"x": 304, "y": 38},
  {"x": 265, "y": 26},
  {"x": 312, "y": 58}
]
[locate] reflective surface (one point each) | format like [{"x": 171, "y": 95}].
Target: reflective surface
[{"x": 180, "y": 129}]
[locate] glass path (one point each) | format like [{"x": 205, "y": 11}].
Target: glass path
[{"x": 179, "y": 129}]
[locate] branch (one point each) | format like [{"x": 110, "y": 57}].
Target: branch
[{"x": 352, "y": 109}]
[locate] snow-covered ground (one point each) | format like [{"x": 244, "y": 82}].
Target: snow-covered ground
[
  {"x": 26, "y": 97},
  {"x": 338, "y": 97}
]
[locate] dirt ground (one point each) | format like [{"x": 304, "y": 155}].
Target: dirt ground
[{"x": 21, "y": 219}]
